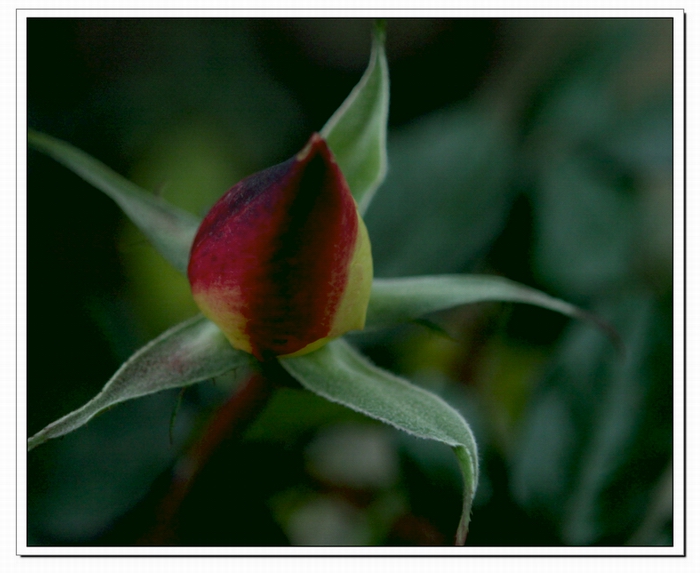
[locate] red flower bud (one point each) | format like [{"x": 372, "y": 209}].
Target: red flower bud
[{"x": 282, "y": 262}]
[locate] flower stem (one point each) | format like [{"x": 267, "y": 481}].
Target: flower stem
[{"x": 228, "y": 423}]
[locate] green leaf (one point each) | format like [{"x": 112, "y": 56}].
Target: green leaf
[
  {"x": 339, "y": 374},
  {"x": 190, "y": 352},
  {"x": 171, "y": 230},
  {"x": 356, "y": 133},
  {"x": 585, "y": 221},
  {"x": 394, "y": 301},
  {"x": 596, "y": 424}
]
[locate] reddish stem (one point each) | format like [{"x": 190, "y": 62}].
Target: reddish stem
[{"x": 230, "y": 421}]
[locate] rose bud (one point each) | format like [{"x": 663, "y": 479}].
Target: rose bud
[{"x": 282, "y": 262}]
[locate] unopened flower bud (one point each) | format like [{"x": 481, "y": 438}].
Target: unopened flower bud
[{"x": 282, "y": 262}]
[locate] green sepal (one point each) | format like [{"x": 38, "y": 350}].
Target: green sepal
[
  {"x": 190, "y": 352},
  {"x": 400, "y": 300},
  {"x": 340, "y": 374},
  {"x": 356, "y": 132},
  {"x": 170, "y": 229}
]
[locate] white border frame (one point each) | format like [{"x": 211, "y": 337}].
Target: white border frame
[{"x": 678, "y": 548}]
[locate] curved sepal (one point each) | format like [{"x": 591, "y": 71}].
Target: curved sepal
[
  {"x": 190, "y": 352},
  {"x": 356, "y": 132},
  {"x": 170, "y": 229},
  {"x": 340, "y": 374},
  {"x": 395, "y": 301}
]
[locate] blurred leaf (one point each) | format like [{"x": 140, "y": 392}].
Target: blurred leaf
[
  {"x": 584, "y": 223},
  {"x": 340, "y": 374},
  {"x": 86, "y": 480},
  {"x": 599, "y": 126},
  {"x": 643, "y": 141},
  {"x": 189, "y": 352},
  {"x": 446, "y": 196},
  {"x": 356, "y": 133},
  {"x": 596, "y": 436},
  {"x": 170, "y": 229}
]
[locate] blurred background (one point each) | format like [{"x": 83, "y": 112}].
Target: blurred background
[{"x": 536, "y": 149}]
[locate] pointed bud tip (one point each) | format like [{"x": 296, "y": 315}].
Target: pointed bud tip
[{"x": 318, "y": 144}]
